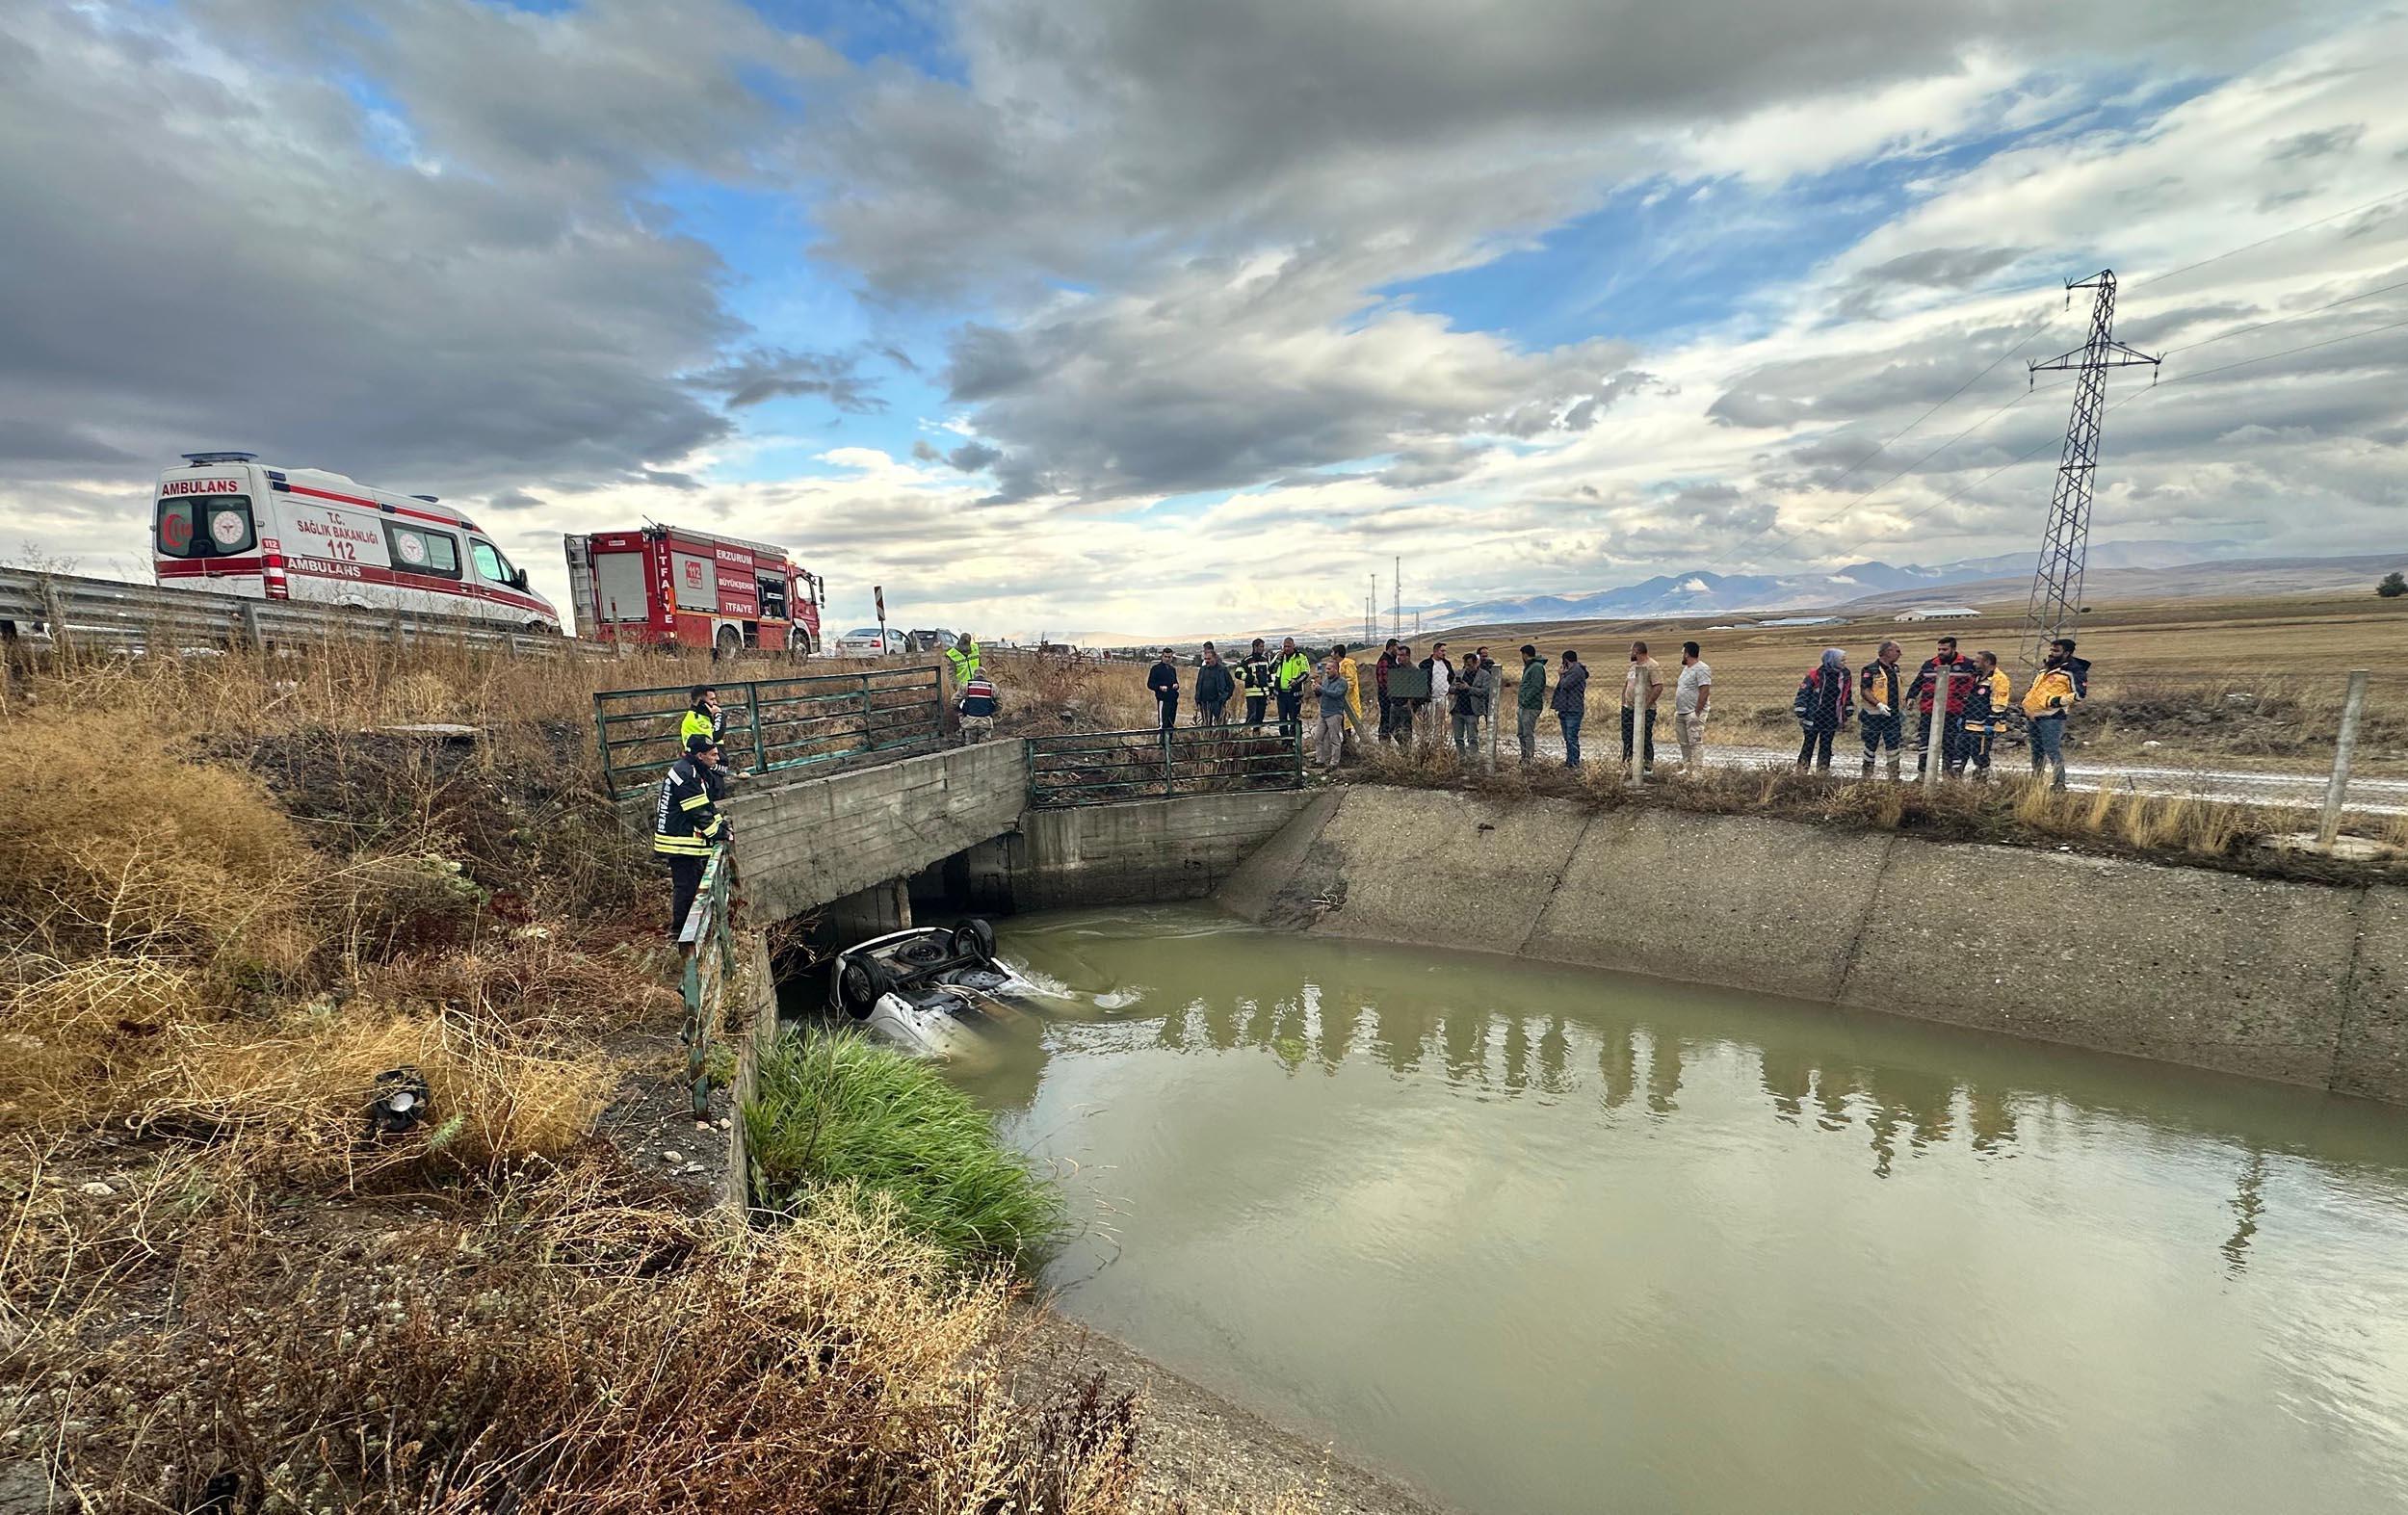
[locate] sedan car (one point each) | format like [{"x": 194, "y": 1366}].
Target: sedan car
[
  {"x": 868, "y": 642},
  {"x": 932, "y": 991}
]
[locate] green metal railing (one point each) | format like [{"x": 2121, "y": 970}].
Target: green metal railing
[
  {"x": 706, "y": 951},
  {"x": 1096, "y": 768},
  {"x": 771, "y": 724}
]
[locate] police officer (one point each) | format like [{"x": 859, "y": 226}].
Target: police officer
[
  {"x": 686, "y": 823},
  {"x": 963, "y": 658},
  {"x": 708, "y": 717},
  {"x": 704, "y": 718},
  {"x": 1288, "y": 679}
]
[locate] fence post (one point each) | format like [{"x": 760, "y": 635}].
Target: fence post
[
  {"x": 867, "y": 740},
  {"x": 753, "y": 712},
  {"x": 55, "y": 611},
  {"x": 251, "y": 626},
  {"x": 697, "y": 1069},
  {"x": 1169, "y": 737},
  {"x": 2353, "y": 705},
  {"x": 1936, "y": 729},
  {"x": 602, "y": 740}
]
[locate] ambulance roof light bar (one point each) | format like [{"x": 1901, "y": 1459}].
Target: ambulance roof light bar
[{"x": 204, "y": 460}]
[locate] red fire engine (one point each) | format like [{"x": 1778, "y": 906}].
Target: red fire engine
[{"x": 665, "y": 585}]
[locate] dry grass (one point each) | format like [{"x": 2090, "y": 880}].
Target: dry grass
[
  {"x": 217, "y": 931},
  {"x": 563, "y": 1342}
]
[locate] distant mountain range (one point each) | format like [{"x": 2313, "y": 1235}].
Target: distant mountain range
[{"x": 1702, "y": 591}]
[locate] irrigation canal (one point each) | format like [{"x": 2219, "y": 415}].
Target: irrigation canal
[{"x": 1549, "y": 1240}]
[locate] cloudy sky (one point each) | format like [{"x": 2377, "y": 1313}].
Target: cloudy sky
[{"x": 1124, "y": 317}]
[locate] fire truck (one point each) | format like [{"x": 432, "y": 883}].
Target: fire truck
[{"x": 668, "y": 585}]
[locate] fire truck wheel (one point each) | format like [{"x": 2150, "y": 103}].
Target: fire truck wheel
[{"x": 729, "y": 644}]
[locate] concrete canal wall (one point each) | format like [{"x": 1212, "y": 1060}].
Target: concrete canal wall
[
  {"x": 1182, "y": 848},
  {"x": 2300, "y": 982}
]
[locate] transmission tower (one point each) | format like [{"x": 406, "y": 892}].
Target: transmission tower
[{"x": 2057, "y": 583}]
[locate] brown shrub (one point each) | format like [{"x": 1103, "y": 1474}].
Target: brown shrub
[
  {"x": 128, "y": 849},
  {"x": 299, "y": 1086},
  {"x": 513, "y": 1361}
]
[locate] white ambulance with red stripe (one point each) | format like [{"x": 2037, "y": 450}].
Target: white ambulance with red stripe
[{"x": 226, "y": 523}]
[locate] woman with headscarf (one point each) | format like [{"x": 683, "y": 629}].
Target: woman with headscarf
[{"x": 1825, "y": 700}]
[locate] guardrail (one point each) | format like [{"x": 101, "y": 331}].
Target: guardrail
[
  {"x": 110, "y": 614},
  {"x": 1097, "y": 768},
  {"x": 706, "y": 951},
  {"x": 771, "y": 724}
]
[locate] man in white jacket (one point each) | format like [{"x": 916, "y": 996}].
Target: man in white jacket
[{"x": 1441, "y": 685}]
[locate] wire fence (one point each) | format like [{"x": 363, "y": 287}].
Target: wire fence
[
  {"x": 1101, "y": 766},
  {"x": 774, "y": 725}
]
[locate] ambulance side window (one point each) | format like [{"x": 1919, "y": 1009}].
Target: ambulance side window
[{"x": 417, "y": 550}]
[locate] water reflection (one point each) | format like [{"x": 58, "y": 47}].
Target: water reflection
[
  {"x": 1500, "y": 1225},
  {"x": 1490, "y": 1053}
]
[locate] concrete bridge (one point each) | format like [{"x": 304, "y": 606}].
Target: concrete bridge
[{"x": 956, "y": 825}]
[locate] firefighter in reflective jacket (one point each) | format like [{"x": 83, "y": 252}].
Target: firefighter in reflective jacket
[
  {"x": 687, "y": 824},
  {"x": 1253, "y": 672},
  {"x": 963, "y": 658}
]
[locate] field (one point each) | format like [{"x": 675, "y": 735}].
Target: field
[{"x": 2252, "y": 683}]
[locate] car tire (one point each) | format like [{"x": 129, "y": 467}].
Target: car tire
[
  {"x": 859, "y": 987},
  {"x": 974, "y": 936},
  {"x": 729, "y": 642}
]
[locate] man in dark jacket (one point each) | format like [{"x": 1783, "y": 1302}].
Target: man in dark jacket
[
  {"x": 1379, "y": 677},
  {"x": 1163, "y": 678},
  {"x": 1530, "y": 697},
  {"x": 1571, "y": 704},
  {"x": 1212, "y": 687},
  {"x": 1959, "y": 672}
]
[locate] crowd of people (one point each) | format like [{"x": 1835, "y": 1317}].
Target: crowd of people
[
  {"x": 1439, "y": 698},
  {"x": 1976, "y": 705}
]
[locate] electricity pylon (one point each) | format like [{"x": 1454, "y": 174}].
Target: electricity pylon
[{"x": 2057, "y": 583}]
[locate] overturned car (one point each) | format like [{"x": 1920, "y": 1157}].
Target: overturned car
[{"x": 935, "y": 991}]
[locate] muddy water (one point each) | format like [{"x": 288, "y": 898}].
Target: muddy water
[{"x": 1541, "y": 1240}]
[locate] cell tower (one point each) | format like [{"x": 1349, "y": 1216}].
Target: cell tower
[{"x": 2057, "y": 583}]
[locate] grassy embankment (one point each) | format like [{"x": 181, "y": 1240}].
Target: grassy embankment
[{"x": 226, "y": 902}]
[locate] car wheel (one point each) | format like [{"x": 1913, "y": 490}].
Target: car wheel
[
  {"x": 860, "y": 986},
  {"x": 730, "y": 642},
  {"x": 975, "y": 936}
]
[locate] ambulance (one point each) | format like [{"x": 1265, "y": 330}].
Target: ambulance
[{"x": 226, "y": 523}]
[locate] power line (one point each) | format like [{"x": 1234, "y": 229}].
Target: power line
[
  {"x": 2021, "y": 343},
  {"x": 2297, "y": 315},
  {"x": 1954, "y": 495},
  {"x": 2305, "y": 225}
]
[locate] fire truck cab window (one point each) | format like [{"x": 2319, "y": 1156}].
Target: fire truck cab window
[
  {"x": 206, "y": 526},
  {"x": 414, "y": 550},
  {"x": 772, "y": 598}
]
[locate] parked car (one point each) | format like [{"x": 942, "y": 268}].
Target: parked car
[
  {"x": 868, "y": 642},
  {"x": 934, "y": 991}
]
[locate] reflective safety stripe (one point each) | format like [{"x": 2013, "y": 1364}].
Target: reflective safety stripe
[
  {"x": 694, "y": 802},
  {"x": 683, "y": 846}
]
